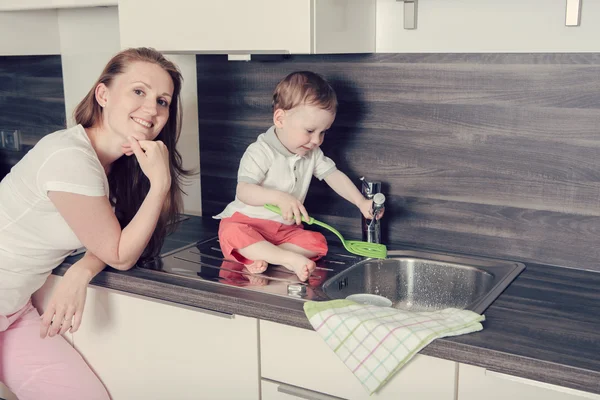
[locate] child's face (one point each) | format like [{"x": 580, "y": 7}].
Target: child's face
[{"x": 302, "y": 128}]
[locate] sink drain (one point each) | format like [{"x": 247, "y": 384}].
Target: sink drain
[{"x": 370, "y": 299}]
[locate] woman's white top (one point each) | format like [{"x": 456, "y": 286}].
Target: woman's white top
[{"x": 34, "y": 237}]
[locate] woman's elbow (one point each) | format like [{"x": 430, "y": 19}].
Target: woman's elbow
[
  {"x": 124, "y": 266},
  {"x": 121, "y": 265}
]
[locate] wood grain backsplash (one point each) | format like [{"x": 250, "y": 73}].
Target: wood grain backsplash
[
  {"x": 31, "y": 101},
  {"x": 493, "y": 154}
]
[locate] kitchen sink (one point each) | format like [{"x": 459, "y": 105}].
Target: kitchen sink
[
  {"x": 411, "y": 279},
  {"x": 424, "y": 281}
]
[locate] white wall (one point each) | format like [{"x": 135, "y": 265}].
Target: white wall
[
  {"x": 458, "y": 26},
  {"x": 89, "y": 37},
  {"x": 188, "y": 145},
  {"x": 28, "y": 33},
  {"x": 86, "y": 38}
]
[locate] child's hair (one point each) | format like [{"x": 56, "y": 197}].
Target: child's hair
[{"x": 304, "y": 87}]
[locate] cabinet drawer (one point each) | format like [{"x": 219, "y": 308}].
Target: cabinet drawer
[
  {"x": 475, "y": 383},
  {"x": 299, "y": 357}
]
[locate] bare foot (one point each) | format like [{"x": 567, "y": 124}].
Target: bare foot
[
  {"x": 301, "y": 265},
  {"x": 256, "y": 280},
  {"x": 257, "y": 266}
]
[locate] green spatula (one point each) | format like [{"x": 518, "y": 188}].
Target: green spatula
[{"x": 365, "y": 249}]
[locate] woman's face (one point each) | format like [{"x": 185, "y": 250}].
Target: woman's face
[{"x": 137, "y": 101}]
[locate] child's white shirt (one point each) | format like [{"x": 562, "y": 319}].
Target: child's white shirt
[
  {"x": 269, "y": 164},
  {"x": 34, "y": 237}
]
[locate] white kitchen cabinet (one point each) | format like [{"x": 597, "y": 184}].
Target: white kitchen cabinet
[
  {"x": 271, "y": 390},
  {"x": 296, "y": 362},
  {"x": 146, "y": 349},
  {"x": 249, "y": 27},
  {"x": 476, "y": 383}
]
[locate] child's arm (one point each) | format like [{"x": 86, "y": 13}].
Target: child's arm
[
  {"x": 256, "y": 195},
  {"x": 343, "y": 186}
]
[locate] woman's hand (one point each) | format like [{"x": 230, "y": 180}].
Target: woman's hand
[
  {"x": 153, "y": 157},
  {"x": 291, "y": 208},
  {"x": 366, "y": 208},
  {"x": 65, "y": 307}
]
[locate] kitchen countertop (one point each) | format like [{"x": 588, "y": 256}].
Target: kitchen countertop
[{"x": 545, "y": 326}]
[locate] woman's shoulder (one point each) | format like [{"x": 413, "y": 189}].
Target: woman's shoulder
[{"x": 74, "y": 138}]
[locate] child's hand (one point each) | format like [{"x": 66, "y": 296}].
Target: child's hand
[
  {"x": 291, "y": 208},
  {"x": 366, "y": 208}
]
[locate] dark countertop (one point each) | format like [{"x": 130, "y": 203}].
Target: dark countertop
[{"x": 545, "y": 326}]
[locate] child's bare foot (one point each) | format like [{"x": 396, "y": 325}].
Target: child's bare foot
[
  {"x": 257, "y": 266},
  {"x": 301, "y": 265},
  {"x": 257, "y": 280}
]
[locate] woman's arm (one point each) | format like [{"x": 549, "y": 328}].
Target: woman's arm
[
  {"x": 94, "y": 223},
  {"x": 65, "y": 307}
]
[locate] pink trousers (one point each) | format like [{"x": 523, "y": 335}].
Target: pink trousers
[{"x": 43, "y": 369}]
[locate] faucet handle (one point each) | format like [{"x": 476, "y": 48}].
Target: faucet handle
[
  {"x": 378, "y": 203},
  {"x": 370, "y": 188},
  {"x": 366, "y": 189},
  {"x": 378, "y": 200}
]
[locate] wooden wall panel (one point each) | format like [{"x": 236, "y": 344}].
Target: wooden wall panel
[
  {"x": 31, "y": 100},
  {"x": 494, "y": 154}
]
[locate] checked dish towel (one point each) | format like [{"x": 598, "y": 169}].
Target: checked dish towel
[{"x": 375, "y": 342}]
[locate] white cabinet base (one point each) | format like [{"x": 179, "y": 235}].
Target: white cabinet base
[
  {"x": 300, "y": 357},
  {"x": 146, "y": 349},
  {"x": 271, "y": 390},
  {"x": 476, "y": 383}
]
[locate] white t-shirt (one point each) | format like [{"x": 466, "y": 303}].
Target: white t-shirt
[
  {"x": 269, "y": 164},
  {"x": 34, "y": 238}
]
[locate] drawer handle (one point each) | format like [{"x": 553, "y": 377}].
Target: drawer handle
[{"x": 304, "y": 393}]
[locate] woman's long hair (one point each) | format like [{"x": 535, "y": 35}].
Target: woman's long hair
[{"x": 128, "y": 184}]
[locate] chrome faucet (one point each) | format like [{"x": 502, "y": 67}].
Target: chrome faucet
[{"x": 371, "y": 228}]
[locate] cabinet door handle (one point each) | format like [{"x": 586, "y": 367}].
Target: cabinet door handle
[{"x": 304, "y": 393}]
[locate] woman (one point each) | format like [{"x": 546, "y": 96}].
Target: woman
[{"x": 57, "y": 199}]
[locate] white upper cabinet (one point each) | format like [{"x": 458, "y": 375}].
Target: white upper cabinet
[{"x": 249, "y": 27}]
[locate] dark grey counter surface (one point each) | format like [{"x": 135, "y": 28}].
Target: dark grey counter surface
[{"x": 545, "y": 326}]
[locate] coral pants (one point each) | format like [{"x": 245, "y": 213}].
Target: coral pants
[
  {"x": 239, "y": 231},
  {"x": 43, "y": 369}
]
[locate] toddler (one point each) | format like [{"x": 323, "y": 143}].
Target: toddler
[{"x": 277, "y": 169}]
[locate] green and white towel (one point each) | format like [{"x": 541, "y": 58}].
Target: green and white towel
[{"x": 375, "y": 342}]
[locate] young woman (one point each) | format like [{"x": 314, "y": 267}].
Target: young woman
[{"x": 111, "y": 184}]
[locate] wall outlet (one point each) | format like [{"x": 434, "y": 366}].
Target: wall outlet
[{"x": 10, "y": 139}]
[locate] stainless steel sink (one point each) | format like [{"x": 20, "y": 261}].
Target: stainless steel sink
[
  {"x": 423, "y": 281},
  {"x": 411, "y": 280}
]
